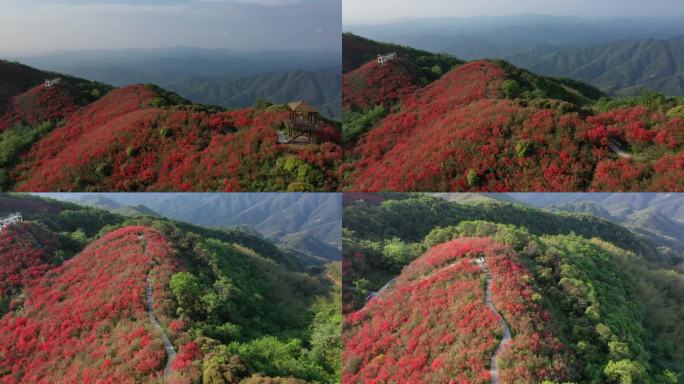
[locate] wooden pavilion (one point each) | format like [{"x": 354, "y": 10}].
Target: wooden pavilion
[{"x": 302, "y": 122}]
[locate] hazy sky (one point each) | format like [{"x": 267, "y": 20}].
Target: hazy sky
[
  {"x": 37, "y": 26},
  {"x": 374, "y": 11}
]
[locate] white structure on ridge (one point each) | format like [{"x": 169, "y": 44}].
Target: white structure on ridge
[
  {"x": 382, "y": 59},
  {"x": 53, "y": 82},
  {"x": 9, "y": 220}
]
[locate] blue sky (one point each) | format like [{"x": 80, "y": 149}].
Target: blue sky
[
  {"x": 39, "y": 26},
  {"x": 375, "y": 11}
]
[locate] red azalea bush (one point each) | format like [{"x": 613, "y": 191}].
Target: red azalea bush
[
  {"x": 535, "y": 354},
  {"x": 86, "y": 321},
  {"x": 38, "y": 105},
  {"x": 433, "y": 325},
  {"x": 25, "y": 256},
  {"x": 374, "y": 84}
]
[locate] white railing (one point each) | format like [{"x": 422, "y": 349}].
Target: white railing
[
  {"x": 382, "y": 59},
  {"x": 9, "y": 220},
  {"x": 53, "y": 82}
]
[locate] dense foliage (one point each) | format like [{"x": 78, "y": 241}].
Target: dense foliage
[
  {"x": 235, "y": 307},
  {"x": 358, "y": 50},
  {"x": 86, "y": 319},
  {"x": 142, "y": 137},
  {"x": 433, "y": 325},
  {"x": 489, "y": 126},
  {"x": 597, "y": 312}
]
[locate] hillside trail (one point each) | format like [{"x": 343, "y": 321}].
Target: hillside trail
[
  {"x": 615, "y": 147},
  {"x": 493, "y": 369},
  {"x": 170, "y": 351}
]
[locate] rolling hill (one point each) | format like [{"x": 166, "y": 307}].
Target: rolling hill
[
  {"x": 493, "y": 291},
  {"x": 141, "y": 137},
  {"x": 89, "y": 295},
  {"x": 490, "y": 126}
]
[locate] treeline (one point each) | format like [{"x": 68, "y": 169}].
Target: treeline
[{"x": 411, "y": 219}]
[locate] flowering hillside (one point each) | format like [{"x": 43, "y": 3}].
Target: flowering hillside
[
  {"x": 38, "y": 105},
  {"x": 142, "y": 138},
  {"x": 488, "y": 126},
  {"x": 25, "y": 255},
  {"x": 80, "y": 319},
  {"x": 432, "y": 324},
  {"x": 425, "y": 283},
  {"x": 94, "y": 297},
  {"x": 374, "y": 84}
]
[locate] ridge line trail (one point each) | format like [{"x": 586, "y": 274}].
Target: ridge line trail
[
  {"x": 493, "y": 369},
  {"x": 170, "y": 351}
]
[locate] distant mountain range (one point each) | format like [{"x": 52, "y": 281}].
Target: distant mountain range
[
  {"x": 216, "y": 77},
  {"x": 659, "y": 217},
  {"x": 623, "y": 68},
  {"x": 620, "y": 56},
  {"x": 309, "y": 223},
  {"x": 321, "y": 88}
]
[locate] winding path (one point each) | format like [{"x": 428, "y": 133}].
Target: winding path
[
  {"x": 170, "y": 351},
  {"x": 493, "y": 369}
]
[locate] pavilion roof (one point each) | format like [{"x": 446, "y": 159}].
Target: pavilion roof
[{"x": 301, "y": 106}]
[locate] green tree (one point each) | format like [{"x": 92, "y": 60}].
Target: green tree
[
  {"x": 625, "y": 372},
  {"x": 221, "y": 367},
  {"x": 472, "y": 178},
  {"x": 188, "y": 291},
  {"x": 511, "y": 89},
  {"x": 79, "y": 237},
  {"x": 436, "y": 70},
  {"x": 326, "y": 346}
]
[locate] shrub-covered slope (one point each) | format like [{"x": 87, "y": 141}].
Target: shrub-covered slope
[
  {"x": 141, "y": 137},
  {"x": 234, "y": 307},
  {"x": 579, "y": 308},
  {"x": 432, "y": 324},
  {"x": 489, "y": 126}
]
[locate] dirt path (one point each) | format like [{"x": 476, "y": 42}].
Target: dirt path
[
  {"x": 170, "y": 351},
  {"x": 493, "y": 369}
]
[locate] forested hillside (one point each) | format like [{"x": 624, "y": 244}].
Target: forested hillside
[
  {"x": 620, "y": 68},
  {"x": 490, "y": 126},
  {"x": 656, "y": 216},
  {"x": 583, "y": 298},
  {"x": 309, "y": 223},
  {"x": 94, "y": 296}
]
